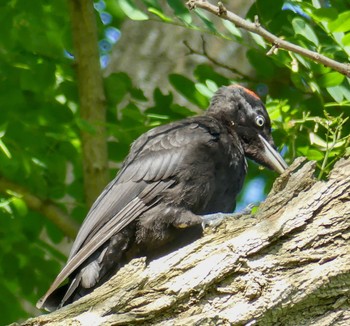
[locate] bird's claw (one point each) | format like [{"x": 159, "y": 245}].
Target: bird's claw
[
  {"x": 216, "y": 219},
  {"x": 213, "y": 220}
]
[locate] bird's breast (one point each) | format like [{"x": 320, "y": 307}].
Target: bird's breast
[{"x": 228, "y": 184}]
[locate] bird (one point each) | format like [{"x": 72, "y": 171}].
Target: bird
[{"x": 176, "y": 178}]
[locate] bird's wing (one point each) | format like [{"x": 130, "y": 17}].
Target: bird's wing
[{"x": 154, "y": 159}]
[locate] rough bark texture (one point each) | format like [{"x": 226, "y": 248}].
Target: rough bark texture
[
  {"x": 289, "y": 264},
  {"x": 91, "y": 98}
]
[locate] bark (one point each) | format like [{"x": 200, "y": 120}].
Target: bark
[
  {"x": 91, "y": 98},
  {"x": 286, "y": 265}
]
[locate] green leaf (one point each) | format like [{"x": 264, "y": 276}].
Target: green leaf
[
  {"x": 53, "y": 232},
  {"x": 304, "y": 29},
  {"x": 302, "y": 60},
  {"x": 318, "y": 141},
  {"x": 267, "y": 9},
  {"x": 232, "y": 28},
  {"x": 117, "y": 151},
  {"x": 346, "y": 89},
  {"x": 203, "y": 89},
  {"x": 262, "y": 64},
  {"x": 5, "y": 149},
  {"x": 339, "y": 93},
  {"x": 43, "y": 74},
  {"x": 153, "y": 4},
  {"x": 133, "y": 115},
  {"x": 341, "y": 24},
  {"x": 314, "y": 155},
  {"x": 131, "y": 10},
  {"x": 160, "y": 14},
  {"x": 187, "y": 88},
  {"x": 32, "y": 225},
  {"x": 180, "y": 10},
  {"x": 162, "y": 100},
  {"x": 138, "y": 94},
  {"x": 117, "y": 85},
  {"x": 181, "y": 111},
  {"x": 204, "y": 72},
  {"x": 330, "y": 79},
  {"x": 336, "y": 93},
  {"x": 85, "y": 126},
  {"x": 20, "y": 206},
  {"x": 324, "y": 14},
  {"x": 346, "y": 43},
  {"x": 316, "y": 3},
  {"x": 212, "y": 86},
  {"x": 258, "y": 40},
  {"x": 346, "y": 40},
  {"x": 209, "y": 23}
]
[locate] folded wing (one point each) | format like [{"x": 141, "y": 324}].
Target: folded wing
[{"x": 149, "y": 169}]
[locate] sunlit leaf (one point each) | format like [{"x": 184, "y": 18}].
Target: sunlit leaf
[
  {"x": 187, "y": 88},
  {"x": 346, "y": 39},
  {"x": 5, "y": 149},
  {"x": 160, "y": 14},
  {"x": 317, "y": 140},
  {"x": 331, "y": 79},
  {"x": 339, "y": 93},
  {"x": 180, "y": 10},
  {"x": 20, "y": 206},
  {"x": 324, "y": 14},
  {"x": 301, "y": 27},
  {"x": 258, "y": 40},
  {"x": 315, "y": 155},
  {"x": 203, "y": 89},
  {"x": 131, "y": 10},
  {"x": 341, "y": 24},
  {"x": 207, "y": 21},
  {"x": 232, "y": 28}
]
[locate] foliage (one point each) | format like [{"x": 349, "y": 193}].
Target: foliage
[
  {"x": 38, "y": 138},
  {"x": 309, "y": 103},
  {"x": 40, "y": 146}
]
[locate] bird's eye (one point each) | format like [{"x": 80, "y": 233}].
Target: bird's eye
[{"x": 260, "y": 120}]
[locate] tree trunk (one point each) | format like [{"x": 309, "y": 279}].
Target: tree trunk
[
  {"x": 91, "y": 98},
  {"x": 289, "y": 264}
]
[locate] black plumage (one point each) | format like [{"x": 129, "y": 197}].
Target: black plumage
[{"x": 174, "y": 176}]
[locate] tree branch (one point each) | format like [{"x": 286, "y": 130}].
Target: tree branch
[
  {"x": 92, "y": 98},
  {"x": 206, "y": 54},
  {"x": 289, "y": 265},
  {"x": 45, "y": 207},
  {"x": 277, "y": 42}
]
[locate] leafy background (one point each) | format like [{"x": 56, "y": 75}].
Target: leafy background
[{"x": 40, "y": 145}]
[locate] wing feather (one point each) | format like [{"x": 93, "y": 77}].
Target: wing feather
[{"x": 154, "y": 158}]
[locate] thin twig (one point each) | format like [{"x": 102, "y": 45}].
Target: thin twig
[
  {"x": 205, "y": 53},
  {"x": 276, "y": 42}
]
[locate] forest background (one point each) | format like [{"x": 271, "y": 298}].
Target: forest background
[{"x": 63, "y": 136}]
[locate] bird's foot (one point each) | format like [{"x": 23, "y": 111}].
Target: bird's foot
[{"x": 216, "y": 219}]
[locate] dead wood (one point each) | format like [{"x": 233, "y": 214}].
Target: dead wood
[{"x": 289, "y": 264}]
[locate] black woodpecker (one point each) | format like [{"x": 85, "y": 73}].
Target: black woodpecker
[{"x": 175, "y": 178}]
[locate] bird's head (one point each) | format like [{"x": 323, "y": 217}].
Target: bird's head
[{"x": 243, "y": 111}]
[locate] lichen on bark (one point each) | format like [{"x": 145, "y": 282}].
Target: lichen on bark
[{"x": 286, "y": 265}]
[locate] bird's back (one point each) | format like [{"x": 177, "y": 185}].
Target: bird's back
[{"x": 173, "y": 176}]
